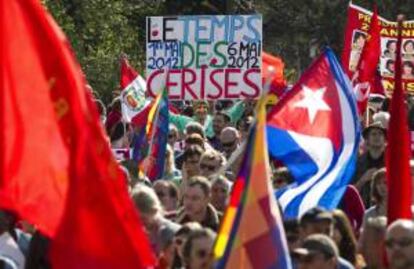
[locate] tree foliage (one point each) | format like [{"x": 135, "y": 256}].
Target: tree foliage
[{"x": 100, "y": 30}]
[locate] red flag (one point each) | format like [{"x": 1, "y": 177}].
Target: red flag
[
  {"x": 367, "y": 66},
  {"x": 272, "y": 69},
  {"x": 377, "y": 87},
  {"x": 398, "y": 150},
  {"x": 57, "y": 169},
  {"x": 128, "y": 74},
  {"x": 133, "y": 89}
]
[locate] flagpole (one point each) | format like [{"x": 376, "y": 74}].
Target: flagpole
[{"x": 240, "y": 150}]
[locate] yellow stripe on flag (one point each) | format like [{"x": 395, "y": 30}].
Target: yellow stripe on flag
[
  {"x": 151, "y": 113},
  {"x": 224, "y": 233}
]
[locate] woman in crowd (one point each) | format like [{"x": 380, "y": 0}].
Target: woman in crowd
[{"x": 344, "y": 237}]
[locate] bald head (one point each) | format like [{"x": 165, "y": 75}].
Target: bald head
[
  {"x": 230, "y": 133},
  {"x": 400, "y": 244},
  {"x": 404, "y": 224}
]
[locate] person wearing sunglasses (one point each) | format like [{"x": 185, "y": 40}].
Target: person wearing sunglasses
[
  {"x": 399, "y": 244},
  {"x": 179, "y": 240},
  {"x": 211, "y": 162},
  {"x": 230, "y": 140},
  {"x": 198, "y": 249}
]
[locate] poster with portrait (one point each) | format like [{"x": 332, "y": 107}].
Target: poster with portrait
[
  {"x": 357, "y": 27},
  {"x": 205, "y": 57}
]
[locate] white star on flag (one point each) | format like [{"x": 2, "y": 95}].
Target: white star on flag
[{"x": 313, "y": 102}]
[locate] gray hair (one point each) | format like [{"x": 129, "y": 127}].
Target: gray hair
[{"x": 145, "y": 199}]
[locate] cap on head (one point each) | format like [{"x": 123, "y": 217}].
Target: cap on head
[
  {"x": 375, "y": 125},
  {"x": 316, "y": 214},
  {"x": 318, "y": 243}
]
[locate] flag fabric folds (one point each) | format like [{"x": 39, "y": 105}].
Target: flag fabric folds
[
  {"x": 314, "y": 131},
  {"x": 272, "y": 71},
  {"x": 251, "y": 233},
  {"x": 133, "y": 88},
  {"x": 364, "y": 78},
  {"x": 57, "y": 169},
  {"x": 398, "y": 151},
  {"x": 156, "y": 131}
]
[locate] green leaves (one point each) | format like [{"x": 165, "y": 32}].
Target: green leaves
[{"x": 100, "y": 30}]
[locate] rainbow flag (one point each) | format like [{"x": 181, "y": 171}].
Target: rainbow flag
[
  {"x": 157, "y": 133},
  {"x": 251, "y": 233}
]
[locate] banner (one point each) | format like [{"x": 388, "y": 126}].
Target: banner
[
  {"x": 204, "y": 57},
  {"x": 355, "y": 36}
]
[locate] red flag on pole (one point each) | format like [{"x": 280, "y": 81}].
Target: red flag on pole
[
  {"x": 398, "y": 150},
  {"x": 367, "y": 66},
  {"x": 57, "y": 169}
]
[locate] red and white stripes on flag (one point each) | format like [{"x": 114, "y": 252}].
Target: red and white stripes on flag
[{"x": 133, "y": 88}]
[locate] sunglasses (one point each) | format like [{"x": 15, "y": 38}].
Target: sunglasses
[
  {"x": 204, "y": 166},
  {"x": 228, "y": 145},
  {"x": 402, "y": 243},
  {"x": 170, "y": 136},
  {"x": 161, "y": 194},
  {"x": 202, "y": 253}
]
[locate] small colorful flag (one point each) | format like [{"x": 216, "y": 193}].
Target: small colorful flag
[
  {"x": 157, "y": 132},
  {"x": 251, "y": 234}
]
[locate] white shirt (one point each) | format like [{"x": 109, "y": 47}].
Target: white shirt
[{"x": 9, "y": 250}]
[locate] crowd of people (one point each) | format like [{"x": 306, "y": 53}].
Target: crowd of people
[{"x": 181, "y": 212}]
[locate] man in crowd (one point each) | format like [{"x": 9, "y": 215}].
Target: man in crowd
[
  {"x": 371, "y": 160},
  {"x": 400, "y": 244},
  {"x": 371, "y": 242},
  {"x": 220, "y": 121},
  {"x": 150, "y": 210},
  {"x": 220, "y": 192},
  {"x": 197, "y": 207},
  {"x": 316, "y": 220},
  {"x": 318, "y": 251},
  {"x": 211, "y": 162},
  {"x": 230, "y": 141},
  {"x": 191, "y": 161},
  {"x": 198, "y": 249}
]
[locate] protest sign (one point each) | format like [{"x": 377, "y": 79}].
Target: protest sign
[
  {"x": 355, "y": 36},
  {"x": 204, "y": 57}
]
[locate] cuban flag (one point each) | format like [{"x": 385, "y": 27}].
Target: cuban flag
[{"x": 314, "y": 131}]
